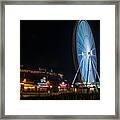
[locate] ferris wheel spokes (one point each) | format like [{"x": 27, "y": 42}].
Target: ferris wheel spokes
[{"x": 81, "y": 45}]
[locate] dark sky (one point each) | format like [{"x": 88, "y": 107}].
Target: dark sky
[{"x": 48, "y": 44}]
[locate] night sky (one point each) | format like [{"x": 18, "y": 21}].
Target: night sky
[{"x": 48, "y": 44}]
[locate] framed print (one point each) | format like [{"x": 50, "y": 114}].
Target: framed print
[{"x": 60, "y": 60}]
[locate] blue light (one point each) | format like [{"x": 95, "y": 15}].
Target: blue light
[
  {"x": 40, "y": 83},
  {"x": 86, "y": 52}
]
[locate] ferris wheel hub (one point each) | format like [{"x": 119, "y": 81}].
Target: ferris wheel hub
[{"x": 88, "y": 53}]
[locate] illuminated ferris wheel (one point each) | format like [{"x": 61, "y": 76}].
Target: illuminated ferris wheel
[{"x": 85, "y": 53}]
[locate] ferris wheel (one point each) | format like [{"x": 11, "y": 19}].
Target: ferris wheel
[{"x": 85, "y": 53}]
